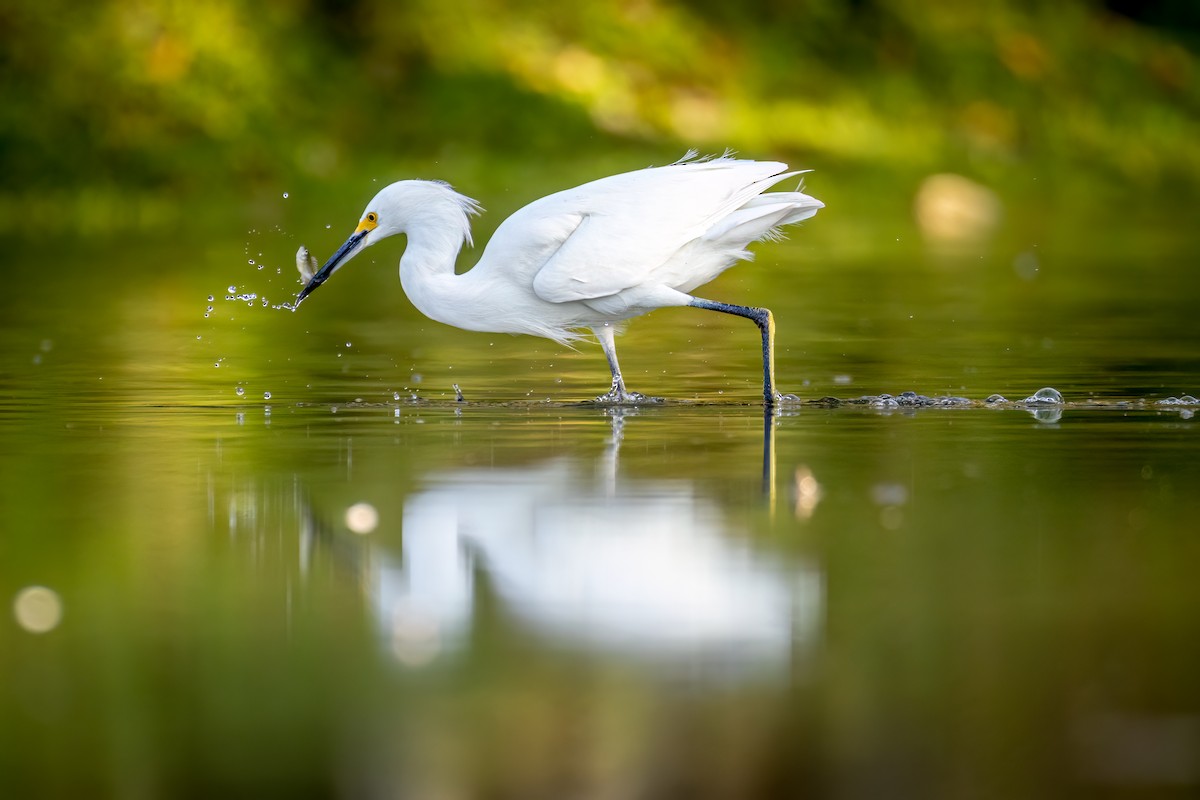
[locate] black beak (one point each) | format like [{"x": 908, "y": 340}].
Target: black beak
[{"x": 331, "y": 265}]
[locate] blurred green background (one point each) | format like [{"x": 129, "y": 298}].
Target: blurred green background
[{"x": 129, "y": 115}]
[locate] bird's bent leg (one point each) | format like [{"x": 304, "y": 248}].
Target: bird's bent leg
[
  {"x": 617, "y": 395},
  {"x": 766, "y": 324}
]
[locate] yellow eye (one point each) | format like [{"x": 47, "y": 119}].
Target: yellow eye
[{"x": 369, "y": 222}]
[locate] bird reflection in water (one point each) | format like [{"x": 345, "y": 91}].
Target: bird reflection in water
[{"x": 586, "y": 559}]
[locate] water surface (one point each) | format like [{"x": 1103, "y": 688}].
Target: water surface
[{"x": 552, "y": 599}]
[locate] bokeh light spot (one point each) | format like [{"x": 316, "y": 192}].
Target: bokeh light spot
[
  {"x": 362, "y": 518},
  {"x": 37, "y": 609}
]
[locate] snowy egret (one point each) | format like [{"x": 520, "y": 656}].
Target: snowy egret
[{"x": 588, "y": 257}]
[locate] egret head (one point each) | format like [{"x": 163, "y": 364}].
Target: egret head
[{"x": 431, "y": 206}]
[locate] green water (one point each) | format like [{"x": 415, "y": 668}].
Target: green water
[{"x": 556, "y": 600}]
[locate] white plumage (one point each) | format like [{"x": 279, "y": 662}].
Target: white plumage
[{"x": 586, "y": 257}]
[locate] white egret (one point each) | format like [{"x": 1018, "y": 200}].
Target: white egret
[{"x": 588, "y": 257}]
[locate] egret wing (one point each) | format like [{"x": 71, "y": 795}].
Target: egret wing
[
  {"x": 631, "y": 226},
  {"x": 603, "y": 256}
]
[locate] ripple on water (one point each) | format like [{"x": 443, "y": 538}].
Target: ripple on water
[
  {"x": 1044, "y": 399},
  {"x": 904, "y": 400}
]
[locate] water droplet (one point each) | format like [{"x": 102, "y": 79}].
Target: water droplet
[
  {"x": 1045, "y": 397},
  {"x": 347, "y": 344},
  {"x": 210, "y": 298},
  {"x": 233, "y": 290},
  {"x": 285, "y": 195},
  {"x": 240, "y": 391},
  {"x": 251, "y": 261},
  {"x": 327, "y": 227},
  {"x": 217, "y": 365},
  {"x": 266, "y": 395},
  {"x": 395, "y": 395}
]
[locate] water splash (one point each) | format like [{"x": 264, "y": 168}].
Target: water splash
[{"x": 1185, "y": 400}]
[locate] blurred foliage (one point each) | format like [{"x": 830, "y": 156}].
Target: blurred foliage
[{"x": 132, "y": 103}]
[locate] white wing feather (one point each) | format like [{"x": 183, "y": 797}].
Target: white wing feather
[{"x": 587, "y": 244}]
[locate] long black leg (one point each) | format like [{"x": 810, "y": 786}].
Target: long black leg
[{"x": 766, "y": 324}]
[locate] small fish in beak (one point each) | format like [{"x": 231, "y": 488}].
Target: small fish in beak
[{"x": 306, "y": 262}]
